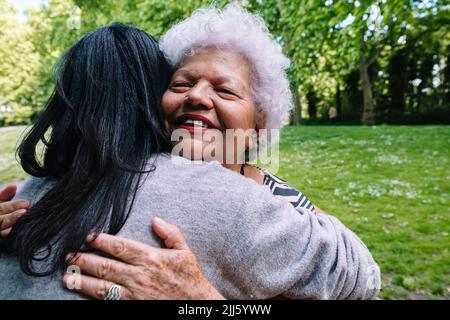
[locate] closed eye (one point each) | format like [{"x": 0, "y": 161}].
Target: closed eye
[
  {"x": 226, "y": 91},
  {"x": 180, "y": 85}
]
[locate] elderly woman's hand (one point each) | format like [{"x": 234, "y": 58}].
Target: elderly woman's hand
[
  {"x": 10, "y": 211},
  {"x": 142, "y": 271}
]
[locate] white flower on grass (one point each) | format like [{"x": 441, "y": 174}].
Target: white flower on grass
[
  {"x": 411, "y": 194},
  {"x": 395, "y": 193},
  {"x": 396, "y": 182},
  {"x": 320, "y": 143},
  {"x": 404, "y": 224},
  {"x": 390, "y": 159},
  {"x": 374, "y": 191},
  {"x": 352, "y": 185}
]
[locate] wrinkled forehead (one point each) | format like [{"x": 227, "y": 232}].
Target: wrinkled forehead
[{"x": 219, "y": 62}]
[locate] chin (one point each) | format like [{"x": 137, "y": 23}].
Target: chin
[{"x": 191, "y": 149}]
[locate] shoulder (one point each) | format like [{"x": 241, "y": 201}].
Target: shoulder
[
  {"x": 33, "y": 188},
  {"x": 224, "y": 192},
  {"x": 282, "y": 189},
  {"x": 200, "y": 174}
]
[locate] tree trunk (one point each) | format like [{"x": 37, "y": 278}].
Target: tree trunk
[
  {"x": 338, "y": 99},
  {"x": 296, "y": 115},
  {"x": 312, "y": 104},
  {"x": 446, "y": 85},
  {"x": 368, "y": 117},
  {"x": 398, "y": 83},
  {"x": 354, "y": 93}
]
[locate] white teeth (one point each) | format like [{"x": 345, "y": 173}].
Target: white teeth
[{"x": 196, "y": 123}]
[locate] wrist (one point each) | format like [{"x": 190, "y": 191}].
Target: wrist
[{"x": 209, "y": 292}]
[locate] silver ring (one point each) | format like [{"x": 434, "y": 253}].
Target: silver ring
[{"x": 113, "y": 293}]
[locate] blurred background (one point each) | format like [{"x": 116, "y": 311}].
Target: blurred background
[
  {"x": 363, "y": 73},
  {"x": 373, "y": 61}
]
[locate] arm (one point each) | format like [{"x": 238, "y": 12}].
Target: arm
[
  {"x": 270, "y": 250},
  {"x": 276, "y": 251},
  {"x": 330, "y": 264}
]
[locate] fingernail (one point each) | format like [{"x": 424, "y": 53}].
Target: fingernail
[
  {"x": 24, "y": 203},
  {"x": 90, "y": 237},
  {"x": 21, "y": 211},
  {"x": 69, "y": 257},
  {"x": 69, "y": 281},
  {"x": 159, "y": 221}
]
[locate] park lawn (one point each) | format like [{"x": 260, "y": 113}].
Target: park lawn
[
  {"x": 10, "y": 170},
  {"x": 389, "y": 184}
]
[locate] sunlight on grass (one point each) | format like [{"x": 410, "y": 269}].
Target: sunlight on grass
[
  {"x": 10, "y": 170},
  {"x": 388, "y": 184}
]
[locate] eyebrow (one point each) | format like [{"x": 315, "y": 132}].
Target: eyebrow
[
  {"x": 217, "y": 80},
  {"x": 184, "y": 73}
]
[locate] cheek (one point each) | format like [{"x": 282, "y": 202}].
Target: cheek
[
  {"x": 237, "y": 116},
  {"x": 170, "y": 103}
]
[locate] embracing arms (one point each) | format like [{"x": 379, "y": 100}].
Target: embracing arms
[{"x": 271, "y": 250}]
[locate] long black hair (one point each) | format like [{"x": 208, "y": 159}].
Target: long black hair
[{"x": 100, "y": 126}]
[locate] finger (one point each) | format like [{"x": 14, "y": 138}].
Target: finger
[
  {"x": 173, "y": 239},
  {"x": 91, "y": 287},
  {"x": 8, "y": 220},
  {"x": 126, "y": 250},
  {"x": 102, "y": 268},
  {"x": 4, "y": 233},
  {"x": 11, "y": 206},
  {"x": 8, "y": 192}
]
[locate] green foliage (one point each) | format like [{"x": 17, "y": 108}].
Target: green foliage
[
  {"x": 332, "y": 45},
  {"x": 17, "y": 66}
]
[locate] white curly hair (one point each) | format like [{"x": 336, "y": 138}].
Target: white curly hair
[{"x": 234, "y": 28}]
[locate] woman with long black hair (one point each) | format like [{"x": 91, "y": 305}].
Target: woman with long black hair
[
  {"x": 104, "y": 121},
  {"x": 106, "y": 171}
]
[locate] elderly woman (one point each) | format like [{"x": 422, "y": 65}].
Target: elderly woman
[
  {"x": 230, "y": 74},
  {"x": 248, "y": 246}
]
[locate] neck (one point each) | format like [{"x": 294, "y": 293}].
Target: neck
[{"x": 233, "y": 166}]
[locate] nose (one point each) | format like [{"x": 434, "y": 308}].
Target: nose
[{"x": 199, "y": 96}]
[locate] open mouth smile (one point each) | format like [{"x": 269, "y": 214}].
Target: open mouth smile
[{"x": 194, "y": 122}]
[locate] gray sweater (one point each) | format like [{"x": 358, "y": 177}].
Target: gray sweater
[{"x": 249, "y": 244}]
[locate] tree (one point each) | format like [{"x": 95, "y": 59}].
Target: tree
[
  {"x": 364, "y": 57},
  {"x": 335, "y": 37},
  {"x": 17, "y": 61}
]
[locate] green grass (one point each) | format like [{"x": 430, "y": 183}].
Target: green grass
[
  {"x": 10, "y": 170},
  {"x": 389, "y": 184}
]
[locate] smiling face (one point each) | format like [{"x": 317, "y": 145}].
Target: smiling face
[{"x": 210, "y": 92}]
